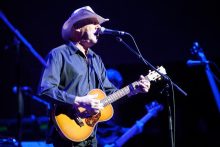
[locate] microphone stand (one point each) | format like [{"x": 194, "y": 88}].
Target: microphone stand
[
  {"x": 165, "y": 91},
  {"x": 200, "y": 54},
  {"x": 23, "y": 40},
  {"x": 17, "y": 42},
  {"x": 166, "y": 78},
  {"x": 19, "y": 93}
]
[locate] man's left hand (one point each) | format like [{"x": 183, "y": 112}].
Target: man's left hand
[{"x": 143, "y": 85}]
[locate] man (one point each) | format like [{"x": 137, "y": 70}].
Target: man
[{"x": 72, "y": 71}]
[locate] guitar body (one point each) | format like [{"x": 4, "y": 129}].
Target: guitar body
[{"x": 79, "y": 126}]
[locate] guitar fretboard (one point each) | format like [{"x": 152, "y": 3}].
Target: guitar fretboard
[
  {"x": 117, "y": 95},
  {"x": 127, "y": 89}
]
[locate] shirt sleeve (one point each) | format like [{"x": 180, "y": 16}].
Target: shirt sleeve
[{"x": 49, "y": 84}]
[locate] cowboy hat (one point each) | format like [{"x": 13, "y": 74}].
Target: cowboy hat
[{"x": 77, "y": 15}]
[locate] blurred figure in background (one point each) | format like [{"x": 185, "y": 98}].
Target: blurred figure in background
[{"x": 115, "y": 77}]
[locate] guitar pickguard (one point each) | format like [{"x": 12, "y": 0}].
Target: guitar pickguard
[{"x": 91, "y": 121}]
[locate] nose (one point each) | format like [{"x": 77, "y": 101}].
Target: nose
[{"x": 98, "y": 28}]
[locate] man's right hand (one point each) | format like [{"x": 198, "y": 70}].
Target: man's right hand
[{"x": 89, "y": 102}]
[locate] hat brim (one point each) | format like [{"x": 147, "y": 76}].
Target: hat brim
[{"x": 66, "y": 29}]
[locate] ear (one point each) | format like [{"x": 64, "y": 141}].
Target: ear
[
  {"x": 76, "y": 34},
  {"x": 76, "y": 30}
]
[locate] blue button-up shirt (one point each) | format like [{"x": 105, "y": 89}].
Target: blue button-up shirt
[{"x": 69, "y": 74}]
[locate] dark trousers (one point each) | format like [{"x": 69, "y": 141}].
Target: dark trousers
[
  {"x": 86, "y": 143},
  {"x": 58, "y": 141}
]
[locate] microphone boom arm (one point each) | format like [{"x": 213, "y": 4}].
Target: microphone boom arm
[{"x": 119, "y": 39}]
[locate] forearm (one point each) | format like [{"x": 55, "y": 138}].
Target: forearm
[{"x": 55, "y": 95}]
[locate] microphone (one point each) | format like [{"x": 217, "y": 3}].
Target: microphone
[
  {"x": 103, "y": 31},
  {"x": 196, "y": 62}
]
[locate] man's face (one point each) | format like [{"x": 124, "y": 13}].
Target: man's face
[
  {"x": 89, "y": 32},
  {"x": 88, "y": 29}
]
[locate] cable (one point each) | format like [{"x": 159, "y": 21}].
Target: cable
[
  {"x": 215, "y": 65},
  {"x": 218, "y": 69}
]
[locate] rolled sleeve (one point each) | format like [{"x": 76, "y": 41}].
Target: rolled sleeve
[{"x": 49, "y": 86}]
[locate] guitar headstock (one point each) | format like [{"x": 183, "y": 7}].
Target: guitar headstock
[
  {"x": 153, "y": 75},
  {"x": 154, "y": 107}
]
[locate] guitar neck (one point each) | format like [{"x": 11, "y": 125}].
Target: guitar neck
[
  {"x": 137, "y": 128},
  {"x": 115, "y": 96},
  {"x": 134, "y": 130},
  {"x": 120, "y": 93}
]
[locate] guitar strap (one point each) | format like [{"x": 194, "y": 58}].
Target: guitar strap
[{"x": 94, "y": 66}]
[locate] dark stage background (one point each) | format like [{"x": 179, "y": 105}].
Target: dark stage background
[{"x": 164, "y": 31}]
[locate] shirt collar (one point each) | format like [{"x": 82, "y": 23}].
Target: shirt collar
[{"x": 74, "y": 50}]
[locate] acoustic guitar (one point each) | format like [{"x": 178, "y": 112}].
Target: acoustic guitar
[{"x": 78, "y": 124}]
